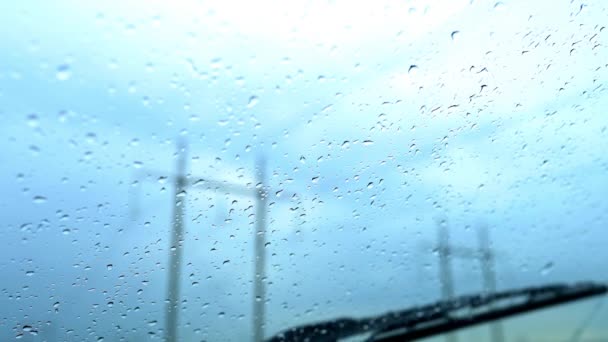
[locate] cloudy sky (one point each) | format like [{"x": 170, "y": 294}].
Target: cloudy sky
[{"x": 382, "y": 117}]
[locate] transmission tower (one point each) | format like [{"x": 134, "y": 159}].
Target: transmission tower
[
  {"x": 181, "y": 182},
  {"x": 486, "y": 257}
]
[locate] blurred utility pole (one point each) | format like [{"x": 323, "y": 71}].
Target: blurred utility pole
[
  {"x": 175, "y": 249},
  {"x": 259, "y": 285},
  {"x": 445, "y": 269},
  {"x": 485, "y": 256},
  {"x": 580, "y": 329},
  {"x": 260, "y": 193}
]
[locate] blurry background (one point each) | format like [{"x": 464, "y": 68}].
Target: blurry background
[{"x": 386, "y": 119}]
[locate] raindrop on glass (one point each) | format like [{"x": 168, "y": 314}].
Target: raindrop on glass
[
  {"x": 32, "y": 120},
  {"x": 63, "y": 72},
  {"x": 39, "y": 199},
  {"x": 546, "y": 269},
  {"x": 62, "y": 116},
  {"x": 499, "y": 6},
  {"x": 253, "y": 100}
]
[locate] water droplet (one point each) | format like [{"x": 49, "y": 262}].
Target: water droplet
[
  {"x": 455, "y": 35},
  {"x": 91, "y": 137},
  {"x": 39, "y": 199},
  {"x": 35, "y": 149},
  {"x": 63, "y": 72},
  {"x": 222, "y": 122},
  {"x": 547, "y": 268},
  {"x": 32, "y": 120},
  {"x": 109, "y": 267},
  {"x": 29, "y": 273},
  {"x": 62, "y": 116},
  {"x": 499, "y": 6},
  {"x": 152, "y": 323},
  {"x": 216, "y": 63},
  {"x": 413, "y": 69},
  {"x": 27, "y": 328},
  {"x": 226, "y": 262},
  {"x": 253, "y": 100},
  {"x": 367, "y": 142},
  {"x": 138, "y": 164}
]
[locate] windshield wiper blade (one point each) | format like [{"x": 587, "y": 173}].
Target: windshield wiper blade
[
  {"x": 443, "y": 316},
  {"x": 467, "y": 311}
]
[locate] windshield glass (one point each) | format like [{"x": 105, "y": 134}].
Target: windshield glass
[
  {"x": 575, "y": 322},
  {"x": 201, "y": 171}
]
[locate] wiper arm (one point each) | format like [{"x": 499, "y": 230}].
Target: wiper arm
[
  {"x": 478, "y": 309},
  {"x": 443, "y": 316}
]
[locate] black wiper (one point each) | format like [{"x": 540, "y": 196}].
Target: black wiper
[{"x": 443, "y": 316}]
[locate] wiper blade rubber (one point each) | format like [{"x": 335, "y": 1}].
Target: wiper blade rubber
[{"x": 443, "y": 316}]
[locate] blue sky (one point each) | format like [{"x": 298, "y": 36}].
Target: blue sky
[{"x": 382, "y": 117}]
